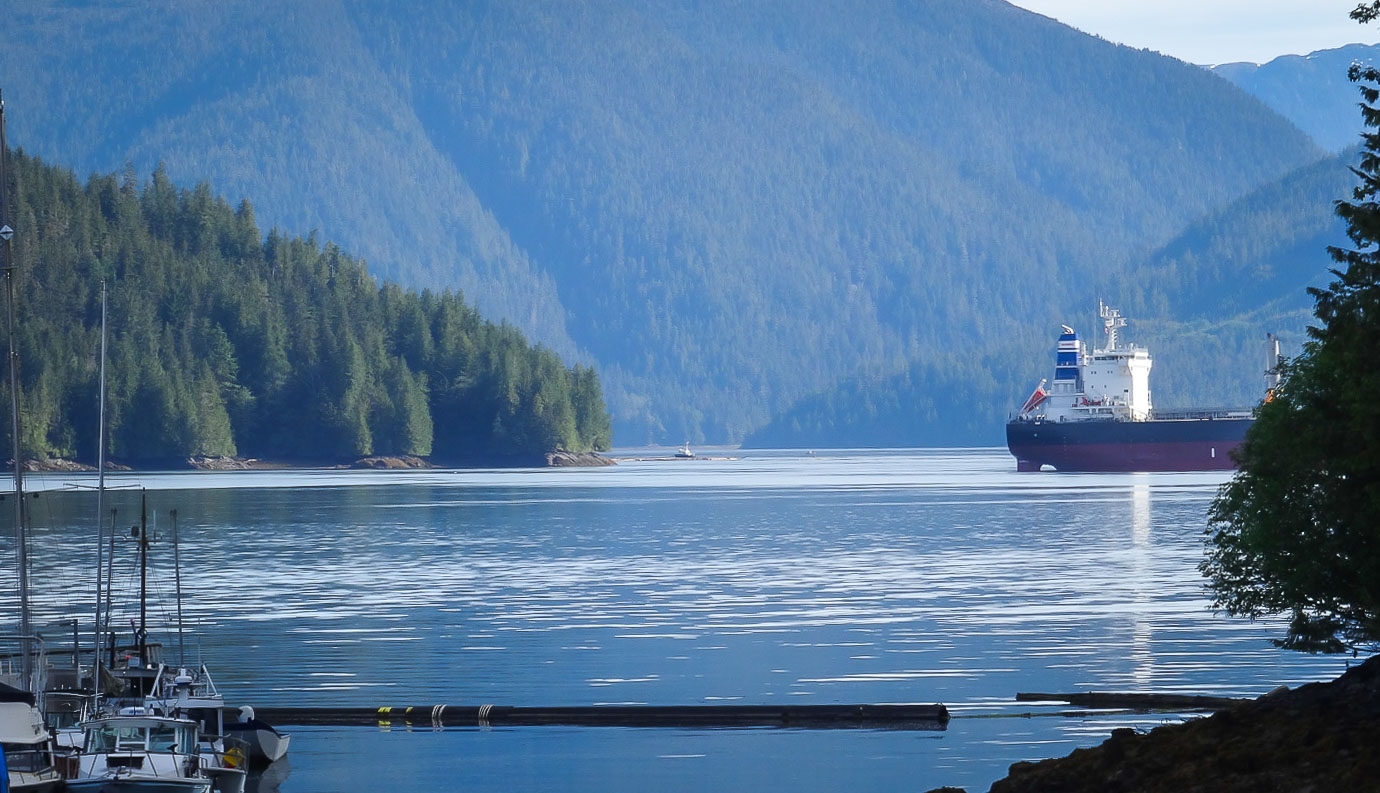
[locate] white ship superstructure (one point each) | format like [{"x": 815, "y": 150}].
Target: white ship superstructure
[{"x": 1113, "y": 382}]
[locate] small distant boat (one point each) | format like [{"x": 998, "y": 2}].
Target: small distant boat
[
  {"x": 684, "y": 452},
  {"x": 266, "y": 745}
]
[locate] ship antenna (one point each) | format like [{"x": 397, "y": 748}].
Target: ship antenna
[{"x": 1111, "y": 322}]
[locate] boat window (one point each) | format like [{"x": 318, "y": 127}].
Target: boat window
[
  {"x": 163, "y": 738},
  {"x": 111, "y": 738}
]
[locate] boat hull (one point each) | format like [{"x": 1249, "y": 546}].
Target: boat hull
[
  {"x": 139, "y": 785},
  {"x": 265, "y": 744},
  {"x": 1174, "y": 445}
]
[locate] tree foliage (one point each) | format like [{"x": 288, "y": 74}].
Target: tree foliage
[
  {"x": 1297, "y": 530},
  {"x": 223, "y": 341}
]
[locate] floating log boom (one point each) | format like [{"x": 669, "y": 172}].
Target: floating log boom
[
  {"x": 916, "y": 717},
  {"x": 1094, "y": 699}
]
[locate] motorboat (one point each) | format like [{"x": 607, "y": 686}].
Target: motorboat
[
  {"x": 192, "y": 695},
  {"x": 135, "y": 751},
  {"x": 26, "y": 743},
  {"x": 266, "y": 745}
]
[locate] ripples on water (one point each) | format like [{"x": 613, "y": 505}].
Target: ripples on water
[{"x": 937, "y": 576}]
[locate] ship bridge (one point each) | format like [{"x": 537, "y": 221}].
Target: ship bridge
[{"x": 1110, "y": 383}]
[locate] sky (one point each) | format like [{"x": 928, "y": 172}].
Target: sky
[{"x": 1210, "y": 32}]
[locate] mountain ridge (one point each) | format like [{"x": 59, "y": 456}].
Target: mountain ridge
[{"x": 725, "y": 207}]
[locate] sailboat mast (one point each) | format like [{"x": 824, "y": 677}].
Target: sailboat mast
[
  {"x": 21, "y": 540},
  {"x": 177, "y": 578},
  {"x": 143, "y": 576},
  {"x": 100, "y": 507}
]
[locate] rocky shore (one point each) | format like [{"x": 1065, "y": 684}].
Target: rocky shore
[
  {"x": 564, "y": 459},
  {"x": 556, "y": 459},
  {"x": 1319, "y": 737},
  {"x": 391, "y": 463}
]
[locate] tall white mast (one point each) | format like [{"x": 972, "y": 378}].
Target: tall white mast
[{"x": 100, "y": 507}]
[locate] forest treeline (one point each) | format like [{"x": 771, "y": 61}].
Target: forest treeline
[{"x": 224, "y": 341}]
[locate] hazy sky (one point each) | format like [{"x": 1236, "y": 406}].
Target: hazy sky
[{"x": 1215, "y": 31}]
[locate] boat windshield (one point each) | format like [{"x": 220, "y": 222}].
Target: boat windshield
[{"x": 114, "y": 737}]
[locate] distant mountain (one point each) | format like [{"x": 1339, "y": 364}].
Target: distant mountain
[
  {"x": 1202, "y": 304},
  {"x": 725, "y": 206},
  {"x": 1310, "y": 90}
]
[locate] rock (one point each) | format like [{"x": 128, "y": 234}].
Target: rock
[
  {"x": 1321, "y": 736},
  {"x": 391, "y": 462},
  {"x": 205, "y": 463},
  {"x": 56, "y": 464},
  {"x": 561, "y": 459}
]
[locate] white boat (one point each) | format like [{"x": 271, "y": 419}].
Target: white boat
[
  {"x": 266, "y": 745},
  {"x": 684, "y": 452},
  {"x": 193, "y": 696},
  {"x": 136, "y": 752},
  {"x": 26, "y": 744}
]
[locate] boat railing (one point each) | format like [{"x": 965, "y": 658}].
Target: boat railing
[
  {"x": 29, "y": 761},
  {"x": 151, "y": 762},
  {"x": 1181, "y": 414},
  {"x": 232, "y": 752}
]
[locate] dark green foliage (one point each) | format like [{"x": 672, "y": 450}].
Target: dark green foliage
[
  {"x": 222, "y": 342},
  {"x": 729, "y": 206},
  {"x": 1297, "y": 530}
]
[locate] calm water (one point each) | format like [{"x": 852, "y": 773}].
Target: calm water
[{"x": 851, "y": 577}]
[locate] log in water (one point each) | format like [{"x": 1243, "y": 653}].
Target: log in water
[
  {"x": 915, "y": 717},
  {"x": 1095, "y": 699}
]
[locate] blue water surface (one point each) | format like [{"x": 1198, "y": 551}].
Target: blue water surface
[{"x": 775, "y": 577}]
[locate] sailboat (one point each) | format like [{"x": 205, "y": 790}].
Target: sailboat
[
  {"x": 26, "y": 743},
  {"x": 140, "y": 747}
]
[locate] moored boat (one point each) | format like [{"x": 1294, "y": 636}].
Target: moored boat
[
  {"x": 26, "y": 744},
  {"x": 266, "y": 744},
  {"x": 137, "y": 752}
]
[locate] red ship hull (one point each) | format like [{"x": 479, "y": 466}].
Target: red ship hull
[{"x": 1177, "y": 445}]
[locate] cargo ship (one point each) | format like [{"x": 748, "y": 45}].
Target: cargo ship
[{"x": 1096, "y": 415}]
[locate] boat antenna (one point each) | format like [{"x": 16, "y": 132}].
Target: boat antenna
[
  {"x": 100, "y": 506},
  {"x": 177, "y": 582},
  {"x": 21, "y": 538}
]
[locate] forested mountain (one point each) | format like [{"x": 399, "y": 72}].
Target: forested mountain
[
  {"x": 1310, "y": 90},
  {"x": 222, "y": 341},
  {"x": 724, "y": 206},
  {"x": 1202, "y": 304}
]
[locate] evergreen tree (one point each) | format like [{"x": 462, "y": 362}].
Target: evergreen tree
[
  {"x": 1297, "y": 530},
  {"x": 222, "y": 341}
]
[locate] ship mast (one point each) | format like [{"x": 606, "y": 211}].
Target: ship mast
[
  {"x": 21, "y": 539},
  {"x": 1112, "y": 321}
]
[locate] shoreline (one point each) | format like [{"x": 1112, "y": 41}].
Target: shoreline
[
  {"x": 553, "y": 459},
  {"x": 1320, "y": 736}
]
